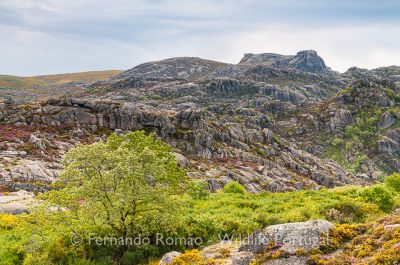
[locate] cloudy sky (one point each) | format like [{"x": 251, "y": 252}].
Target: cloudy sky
[{"x": 57, "y": 36}]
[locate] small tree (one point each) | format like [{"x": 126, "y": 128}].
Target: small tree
[{"x": 129, "y": 185}]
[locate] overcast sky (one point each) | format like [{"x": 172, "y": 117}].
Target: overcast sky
[{"x": 57, "y": 36}]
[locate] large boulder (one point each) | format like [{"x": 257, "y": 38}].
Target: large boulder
[
  {"x": 289, "y": 237},
  {"x": 181, "y": 160},
  {"x": 169, "y": 257}
]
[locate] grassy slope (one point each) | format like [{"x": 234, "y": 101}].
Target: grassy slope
[
  {"x": 219, "y": 213},
  {"x": 243, "y": 213},
  {"x": 8, "y": 81}
]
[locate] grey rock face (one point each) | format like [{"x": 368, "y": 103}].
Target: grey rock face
[
  {"x": 341, "y": 119},
  {"x": 289, "y": 237},
  {"x": 190, "y": 119},
  {"x": 388, "y": 145},
  {"x": 283, "y": 95},
  {"x": 386, "y": 121},
  {"x": 307, "y": 61},
  {"x": 322, "y": 179},
  {"x": 230, "y": 87},
  {"x": 196, "y": 135}
]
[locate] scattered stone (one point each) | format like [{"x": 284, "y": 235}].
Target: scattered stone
[
  {"x": 182, "y": 161},
  {"x": 13, "y": 154},
  {"x": 392, "y": 226},
  {"x": 78, "y": 133},
  {"x": 39, "y": 143}
]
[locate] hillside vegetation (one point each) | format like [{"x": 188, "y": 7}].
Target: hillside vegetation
[
  {"x": 131, "y": 186},
  {"x": 29, "y": 88},
  {"x": 192, "y": 148}
]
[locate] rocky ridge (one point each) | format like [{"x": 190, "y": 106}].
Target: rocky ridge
[
  {"x": 251, "y": 155},
  {"x": 264, "y": 122}
]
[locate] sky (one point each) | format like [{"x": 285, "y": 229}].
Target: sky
[{"x": 59, "y": 36}]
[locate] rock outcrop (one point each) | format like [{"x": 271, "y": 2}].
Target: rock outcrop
[
  {"x": 289, "y": 237},
  {"x": 307, "y": 61},
  {"x": 248, "y": 153},
  {"x": 168, "y": 258},
  {"x": 271, "y": 122},
  {"x": 16, "y": 202}
]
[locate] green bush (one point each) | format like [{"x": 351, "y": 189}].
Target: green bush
[
  {"x": 204, "y": 226},
  {"x": 234, "y": 187},
  {"x": 139, "y": 255},
  {"x": 393, "y": 182},
  {"x": 379, "y": 195},
  {"x": 198, "y": 190}
]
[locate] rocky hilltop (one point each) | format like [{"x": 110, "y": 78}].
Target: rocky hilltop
[
  {"x": 271, "y": 122},
  {"x": 307, "y": 61}
]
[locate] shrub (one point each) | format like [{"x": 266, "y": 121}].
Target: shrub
[
  {"x": 348, "y": 211},
  {"x": 393, "y": 182},
  {"x": 137, "y": 256},
  {"x": 42, "y": 259},
  {"x": 192, "y": 257},
  {"x": 8, "y": 221},
  {"x": 225, "y": 253},
  {"x": 379, "y": 195},
  {"x": 198, "y": 190},
  {"x": 204, "y": 226},
  {"x": 337, "y": 141},
  {"x": 234, "y": 187}
]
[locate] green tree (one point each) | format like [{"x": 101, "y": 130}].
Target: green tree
[{"x": 129, "y": 185}]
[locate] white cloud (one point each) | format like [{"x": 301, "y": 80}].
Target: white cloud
[
  {"x": 51, "y": 36},
  {"x": 367, "y": 46}
]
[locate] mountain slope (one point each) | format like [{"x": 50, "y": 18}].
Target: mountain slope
[{"x": 272, "y": 122}]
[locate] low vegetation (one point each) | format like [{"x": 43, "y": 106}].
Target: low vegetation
[{"x": 131, "y": 187}]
